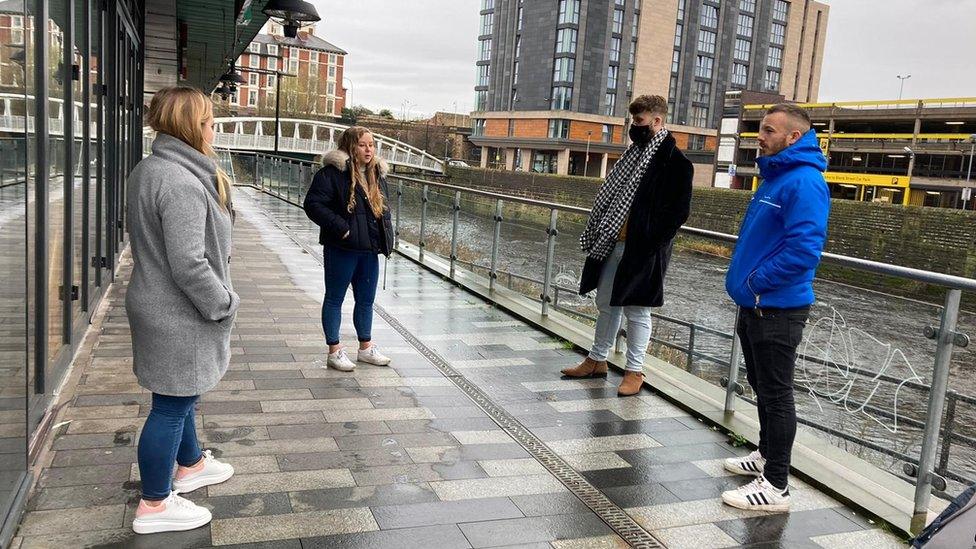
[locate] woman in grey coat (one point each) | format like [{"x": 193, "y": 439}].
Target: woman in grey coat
[{"x": 180, "y": 303}]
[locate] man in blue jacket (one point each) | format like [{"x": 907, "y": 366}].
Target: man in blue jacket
[{"x": 771, "y": 280}]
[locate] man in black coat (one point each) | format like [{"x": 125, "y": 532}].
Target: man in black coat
[{"x": 644, "y": 201}]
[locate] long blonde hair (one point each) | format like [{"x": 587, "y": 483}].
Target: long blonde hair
[
  {"x": 180, "y": 111},
  {"x": 347, "y": 143}
]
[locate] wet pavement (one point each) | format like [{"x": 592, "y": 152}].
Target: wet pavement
[{"x": 399, "y": 456}]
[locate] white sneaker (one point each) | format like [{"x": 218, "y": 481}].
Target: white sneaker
[
  {"x": 213, "y": 472},
  {"x": 759, "y": 495},
  {"x": 372, "y": 355},
  {"x": 340, "y": 361},
  {"x": 751, "y": 465},
  {"x": 175, "y": 514}
]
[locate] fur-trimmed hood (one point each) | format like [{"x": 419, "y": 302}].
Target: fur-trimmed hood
[{"x": 338, "y": 159}]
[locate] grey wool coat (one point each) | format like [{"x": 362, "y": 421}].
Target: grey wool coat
[{"x": 180, "y": 301}]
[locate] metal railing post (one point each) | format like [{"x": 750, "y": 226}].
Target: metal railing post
[
  {"x": 550, "y": 257},
  {"x": 950, "y": 421},
  {"x": 732, "y": 381},
  {"x": 396, "y": 230},
  {"x": 496, "y": 237},
  {"x": 288, "y": 181},
  {"x": 691, "y": 347},
  {"x": 423, "y": 222},
  {"x": 454, "y": 231},
  {"x": 946, "y": 337}
]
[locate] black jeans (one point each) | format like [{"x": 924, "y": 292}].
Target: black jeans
[{"x": 769, "y": 340}]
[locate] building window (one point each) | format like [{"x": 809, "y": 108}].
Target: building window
[
  {"x": 703, "y": 67},
  {"x": 673, "y": 87},
  {"x": 487, "y": 4},
  {"x": 778, "y": 35},
  {"x": 479, "y": 126},
  {"x": 515, "y": 71},
  {"x": 780, "y": 10},
  {"x": 615, "y": 49},
  {"x": 563, "y": 69},
  {"x": 485, "y": 50},
  {"x": 607, "y": 133},
  {"x": 566, "y": 40},
  {"x": 675, "y": 61},
  {"x": 562, "y": 97},
  {"x": 679, "y": 30},
  {"x": 743, "y": 49},
  {"x": 330, "y": 105},
  {"x": 703, "y": 91},
  {"x": 747, "y": 5},
  {"x": 612, "y": 77},
  {"x": 253, "y": 61},
  {"x": 272, "y": 80},
  {"x": 630, "y": 78},
  {"x": 16, "y": 21},
  {"x": 332, "y": 58},
  {"x": 618, "y": 21},
  {"x": 635, "y": 26},
  {"x": 252, "y": 79},
  {"x": 272, "y": 49},
  {"x": 696, "y": 142},
  {"x": 518, "y": 46},
  {"x": 611, "y": 104},
  {"x": 775, "y": 58},
  {"x": 481, "y": 102},
  {"x": 633, "y": 51},
  {"x": 740, "y": 74},
  {"x": 772, "y": 80},
  {"x": 273, "y": 64},
  {"x": 252, "y": 98},
  {"x": 558, "y": 128},
  {"x": 483, "y": 74},
  {"x": 709, "y": 16},
  {"x": 620, "y": 3},
  {"x": 254, "y": 47},
  {"x": 487, "y": 22},
  {"x": 330, "y": 88},
  {"x": 519, "y": 24},
  {"x": 699, "y": 116},
  {"x": 681, "y": 10},
  {"x": 706, "y": 41},
  {"x": 293, "y": 66},
  {"x": 569, "y": 11},
  {"x": 332, "y": 72},
  {"x": 744, "y": 25}
]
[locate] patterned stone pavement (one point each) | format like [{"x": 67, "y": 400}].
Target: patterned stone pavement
[{"x": 396, "y": 457}]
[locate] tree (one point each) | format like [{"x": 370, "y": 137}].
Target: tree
[{"x": 385, "y": 113}]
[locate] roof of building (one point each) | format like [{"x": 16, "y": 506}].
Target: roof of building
[
  {"x": 304, "y": 40},
  {"x": 12, "y": 6}
]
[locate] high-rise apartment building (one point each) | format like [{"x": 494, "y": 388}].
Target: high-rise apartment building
[{"x": 555, "y": 77}]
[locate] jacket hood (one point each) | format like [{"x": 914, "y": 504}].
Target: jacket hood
[
  {"x": 338, "y": 159},
  {"x": 805, "y": 152}
]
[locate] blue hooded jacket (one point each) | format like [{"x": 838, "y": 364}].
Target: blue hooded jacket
[{"x": 783, "y": 231}]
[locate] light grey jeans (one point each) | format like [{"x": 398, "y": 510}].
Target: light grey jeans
[{"x": 608, "y": 321}]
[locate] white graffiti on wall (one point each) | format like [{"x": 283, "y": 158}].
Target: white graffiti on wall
[{"x": 841, "y": 349}]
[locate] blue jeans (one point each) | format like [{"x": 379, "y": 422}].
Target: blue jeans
[
  {"x": 344, "y": 267},
  {"x": 609, "y": 319},
  {"x": 169, "y": 435}
]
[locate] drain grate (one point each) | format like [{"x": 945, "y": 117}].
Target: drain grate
[{"x": 609, "y": 512}]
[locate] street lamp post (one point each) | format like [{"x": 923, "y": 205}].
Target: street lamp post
[
  {"x": 586, "y": 162},
  {"x": 911, "y": 167},
  {"x": 351, "y": 83},
  {"x": 969, "y": 171},
  {"x": 901, "y": 86}
]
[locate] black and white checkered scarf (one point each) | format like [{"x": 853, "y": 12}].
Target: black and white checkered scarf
[{"x": 613, "y": 202}]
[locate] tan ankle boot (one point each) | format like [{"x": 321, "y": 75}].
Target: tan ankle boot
[
  {"x": 631, "y": 384},
  {"x": 588, "y": 368}
]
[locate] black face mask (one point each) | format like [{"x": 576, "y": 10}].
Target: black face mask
[{"x": 640, "y": 134}]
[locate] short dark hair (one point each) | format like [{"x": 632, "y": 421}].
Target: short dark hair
[
  {"x": 653, "y": 103},
  {"x": 794, "y": 111}
]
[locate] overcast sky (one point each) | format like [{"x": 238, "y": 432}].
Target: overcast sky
[{"x": 423, "y": 51}]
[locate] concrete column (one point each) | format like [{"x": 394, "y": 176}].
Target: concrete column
[
  {"x": 527, "y": 160},
  {"x": 509, "y": 159},
  {"x": 603, "y": 164},
  {"x": 484, "y": 157},
  {"x": 562, "y": 162}
]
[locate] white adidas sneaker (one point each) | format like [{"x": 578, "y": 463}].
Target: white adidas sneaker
[
  {"x": 372, "y": 355},
  {"x": 174, "y": 514},
  {"x": 213, "y": 472},
  {"x": 751, "y": 465},
  {"x": 759, "y": 495},
  {"x": 339, "y": 360}
]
